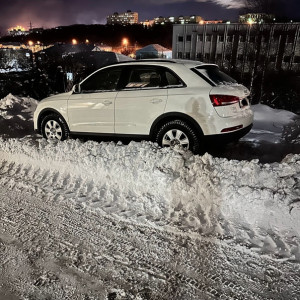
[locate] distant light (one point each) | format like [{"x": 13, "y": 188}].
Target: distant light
[
  {"x": 201, "y": 22},
  {"x": 30, "y": 43},
  {"x": 38, "y": 42},
  {"x": 250, "y": 21},
  {"x": 125, "y": 42},
  {"x": 69, "y": 76},
  {"x": 74, "y": 42},
  {"x": 291, "y": 21},
  {"x": 17, "y": 28},
  {"x": 228, "y": 22},
  {"x": 87, "y": 41}
]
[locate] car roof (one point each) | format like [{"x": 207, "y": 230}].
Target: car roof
[{"x": 155, "y": 61}]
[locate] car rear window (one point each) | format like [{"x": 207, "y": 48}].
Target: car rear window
[{"x": 214, "y": 74}]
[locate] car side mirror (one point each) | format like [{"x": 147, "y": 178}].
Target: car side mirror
[{"x": 76, "y": 89}]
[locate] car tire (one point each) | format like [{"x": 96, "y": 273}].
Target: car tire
[
  {"x": 54, "y": 127},
  {"x": 178, "y": 132}
]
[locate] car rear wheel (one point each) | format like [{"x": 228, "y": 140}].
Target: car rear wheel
[
  {"x": 54, "y": 127},
  {"x": 178, "y": 132}
]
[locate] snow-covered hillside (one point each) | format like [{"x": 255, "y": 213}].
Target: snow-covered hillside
[{"x": 88, "y": 220}]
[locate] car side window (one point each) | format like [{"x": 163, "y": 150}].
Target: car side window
[
  {"x": 102, "y": 81},
  {"x": 144, "y": 78},
  {"x": 172, "y": 80}
]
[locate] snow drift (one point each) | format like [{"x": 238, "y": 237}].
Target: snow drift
[{"x": 246, "y": 202}]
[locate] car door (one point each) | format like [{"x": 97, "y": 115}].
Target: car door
[
  {"x": 92, "y": 109},
  {"x": 141, "y": 100}
]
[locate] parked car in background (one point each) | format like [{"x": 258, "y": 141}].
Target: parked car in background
[{"x": 172, "y": 102}]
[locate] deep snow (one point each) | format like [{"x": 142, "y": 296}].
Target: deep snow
[{"x": 184, "y": 204}]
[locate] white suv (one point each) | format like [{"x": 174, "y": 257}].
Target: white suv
[{"x": 168, "y": 101}]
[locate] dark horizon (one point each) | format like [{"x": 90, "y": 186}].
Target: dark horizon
[{"x": 53, "y": 13}]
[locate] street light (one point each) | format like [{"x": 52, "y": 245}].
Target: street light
[
  {"x": 74, "y": 42},
  {"x": 30, "y": 43},
  {"x": 125, "y": 42}
]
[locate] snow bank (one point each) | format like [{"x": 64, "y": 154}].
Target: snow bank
[
  {"x": 246, "y": 202},
  {"x": 16, "y": 116}
]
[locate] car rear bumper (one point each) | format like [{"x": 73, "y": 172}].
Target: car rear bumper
[{"x": 228, "y": 137}]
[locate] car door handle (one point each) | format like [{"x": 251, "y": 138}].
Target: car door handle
[
  {"x": 107, "y": 102},
  {"x": 156, "y": 100}
]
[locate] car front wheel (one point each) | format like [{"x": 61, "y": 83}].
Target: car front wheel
[
  {"x": 178, "y": 132},
  {"x": 54, "y": 127}
]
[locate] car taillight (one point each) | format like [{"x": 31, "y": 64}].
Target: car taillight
[{"x": 221, "y": 100}]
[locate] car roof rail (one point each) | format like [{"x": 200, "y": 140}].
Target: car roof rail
[
  {"x": 156, "y": 60},
  {"x": 147, "y": 60}
]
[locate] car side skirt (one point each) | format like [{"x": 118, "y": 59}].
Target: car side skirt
[{"x": 113, "y": 135}]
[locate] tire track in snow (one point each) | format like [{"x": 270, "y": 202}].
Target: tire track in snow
[{"x": 122, "y": 250}]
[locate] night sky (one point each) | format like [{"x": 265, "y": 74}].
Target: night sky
[{"x": 51, "y": 13}]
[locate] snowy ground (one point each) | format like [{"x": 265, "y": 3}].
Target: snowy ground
[{"x": 112, "y": 221}]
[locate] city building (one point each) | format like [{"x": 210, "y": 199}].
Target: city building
[
  {"x": 252, "y": 18},
  {"x": 211, "y": 22},
  {"x": 154, "y": 51},
  {"x": 32, "y": 46},
  {"x": 178, "y": 20},
  {"x": 127, "y": 18},
  {"x": 12, "y": 45},
  {"x": 147, "y": 23},
  {"x": 17, "y": 30},
  {"x": 38, "y": 30},
  {"x": 240, "y": 46}
]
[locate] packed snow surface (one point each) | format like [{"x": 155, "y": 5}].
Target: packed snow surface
[
  {"x": 89, "y": 220},
  {"x": 274, "y": 125}
]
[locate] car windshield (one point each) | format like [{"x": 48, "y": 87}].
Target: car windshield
[{"x": 214, "y": 74}]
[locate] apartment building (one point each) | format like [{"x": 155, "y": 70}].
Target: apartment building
[
  {"x": 127, "y": 18},
  {"x": 240, "y": 46}
]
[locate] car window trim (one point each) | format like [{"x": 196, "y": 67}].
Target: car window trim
[
  {"x": 209, "y": 81},
  {"x": 102, "y": 91}
]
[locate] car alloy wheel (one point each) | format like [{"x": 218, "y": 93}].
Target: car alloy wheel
[
  {"x": 178, "y": 132},
  {"x": 175, "y": 137},
  {"x": 53, "y": 130},
  {"x": 54, "y": 127}
]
